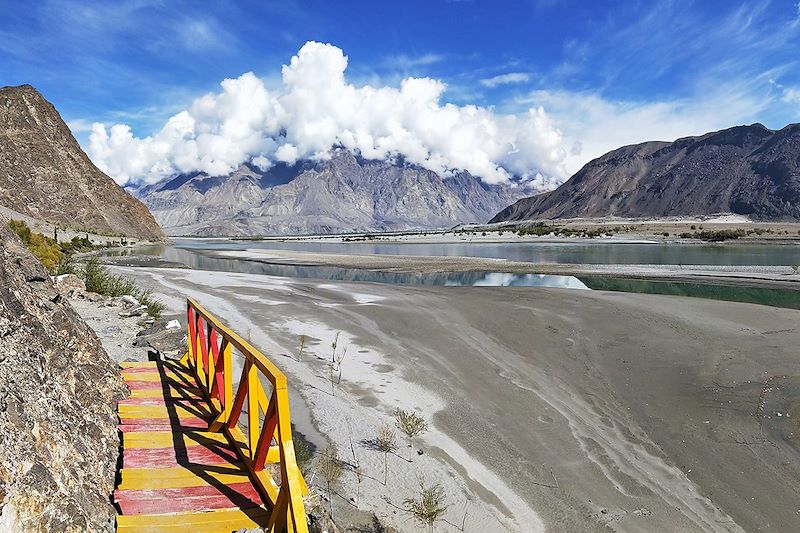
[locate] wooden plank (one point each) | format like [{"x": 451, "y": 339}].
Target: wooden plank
[
  {"x": 220, "y": 521},
  {"x": 138, "y": 364},
  {"x": 166, "y": 457},
  {"x": 155, "y": 376},
  {"x": 172, "y": 393},
  {"x": 203, "y": 498},
  {"x": 165, "y": 439},
  {"x": 179, "y": 477},
  {"x": 163, "y": 411}
]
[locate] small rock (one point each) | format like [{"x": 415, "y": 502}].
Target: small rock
[
  {"x": 93, "y": 296},
  {"x": 136, "y": 311},
  {"x": 146, "y": 320},
  {"x": 173, "y": 324},
  {"x": 129, "y": 301}
]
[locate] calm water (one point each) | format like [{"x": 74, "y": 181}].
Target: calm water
[
  {"x": 198, "y": 258},
  {"x": 198, "y": 254},
  {"x": 559, "y": 253},
  {"x": 757, "y": 295}
]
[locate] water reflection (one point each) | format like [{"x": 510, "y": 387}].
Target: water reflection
[
  {"x": 505, "y": 279},
  {"x": 205, "y": 260}
]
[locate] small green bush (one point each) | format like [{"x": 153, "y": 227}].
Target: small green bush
[
  {"x": 98, "y": 279},
  {"x": 44, "y": 248}
]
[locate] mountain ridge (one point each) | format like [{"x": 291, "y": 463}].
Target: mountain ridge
[
  {"x": 44, "y": 173},
  {"x": 344, "y": 193},
  {"x": 747, "y": 170}
]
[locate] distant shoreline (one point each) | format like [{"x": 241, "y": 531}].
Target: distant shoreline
[{"x": 618, "y": 231}]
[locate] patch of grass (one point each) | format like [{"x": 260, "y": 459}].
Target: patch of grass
[
  {"x": 45, "y": 249},
  {"x": 55, "y": 256},
  {"x": 412, "y": 425},
  {"x": 717, "y": 235},
  {"x": 430, "y": 507},
  {"x": 98, "y": 279}
]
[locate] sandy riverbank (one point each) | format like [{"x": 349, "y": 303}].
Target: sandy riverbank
[
  {"x": 570, "y": 410},
  {"x": 771, "y": 276}
]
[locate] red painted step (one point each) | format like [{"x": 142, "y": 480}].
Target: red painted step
[
  {"x": 204, "y": 498},
  {"x": 168, "y": 457},
  {"x": 188, "y": 423},
  {"x": 170, "y": 401}
]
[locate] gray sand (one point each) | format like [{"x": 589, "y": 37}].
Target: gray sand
[{"x": 636, "y": 412}]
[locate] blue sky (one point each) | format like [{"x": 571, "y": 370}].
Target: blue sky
[{"x": 605, "y": 72}]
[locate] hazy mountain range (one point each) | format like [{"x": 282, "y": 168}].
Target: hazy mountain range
[
  {"x": 45, "y": 175},
  {"x": 342, "y": 194},
  {"x": 747, "y": 170}
]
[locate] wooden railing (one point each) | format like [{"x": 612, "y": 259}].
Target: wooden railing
[{"x": 210, "y": 357}]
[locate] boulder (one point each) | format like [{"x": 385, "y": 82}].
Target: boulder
[{"x": 69, "y": 285}]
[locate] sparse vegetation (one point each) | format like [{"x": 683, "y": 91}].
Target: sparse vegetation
[
  {"x": 718, "y": 235},
  {"x": 98, "y": 279},
  {"x": 335, "y": 366},
  {"x": 412, "y": 425},
  {"x": 330, "y": 467},
  {"x": 45, "y": 249},
  {"x": 359, "y": 472},
  {"x": 430, "y": 507},
  {"x": 56, "y": 257},
  {"x": 385, "y": 441},
  {"x": 303, "y": 340},
  {"x": 333, "y": 346},
  {"x": 302, "y": 454}
]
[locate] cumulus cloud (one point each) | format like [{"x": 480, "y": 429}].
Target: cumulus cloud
[
  {"x": 315, "y": 109},
  {"x": 504, "y": 79},
  {"x": 594, "y": 125}
]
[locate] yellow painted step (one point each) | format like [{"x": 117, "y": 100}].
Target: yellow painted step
[
  {"x": 178, "y": 477},
  {"x": 165, "y": 439},
  {"x": 139, "y": 364},
  {"x": 161, "y": 411},
  {"x": 173, "y": 393},
  {"x": 218, "y": 521},
  {"x": 156, "y": 376}
]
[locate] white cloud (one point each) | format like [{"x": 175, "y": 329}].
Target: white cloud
[
  {"x": 79, "y": 125},
  {"x": 315, "y": 108},
  {"x": 791, "y": 96},
  {"x": 405, "y": 62},
  {"x": 504, "y": 79},
  {"x": 593, "y": 125}
]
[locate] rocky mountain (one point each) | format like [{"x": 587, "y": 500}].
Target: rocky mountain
[
  {"x": 342, "y": 194},
  {"x": 747, "y": 170},
  {"x": 58, "y": 396},
  {"x": 44, "y": 173}
]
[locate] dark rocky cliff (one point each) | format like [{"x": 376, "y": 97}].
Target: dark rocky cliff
[
  {"x": 44, "y": 173},
  {"x": 58, "y": 394},
  {"x": 747, "y": 170}
]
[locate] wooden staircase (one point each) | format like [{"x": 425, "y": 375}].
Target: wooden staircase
[
  {"x": 177, "y": 476},
  {"x": 187, "y": 464}
]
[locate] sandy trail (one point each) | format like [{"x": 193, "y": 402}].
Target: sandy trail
[{"x": 556, "y": 409}]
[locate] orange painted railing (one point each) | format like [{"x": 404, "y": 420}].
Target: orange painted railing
[{"x": 210, "y": 358}]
